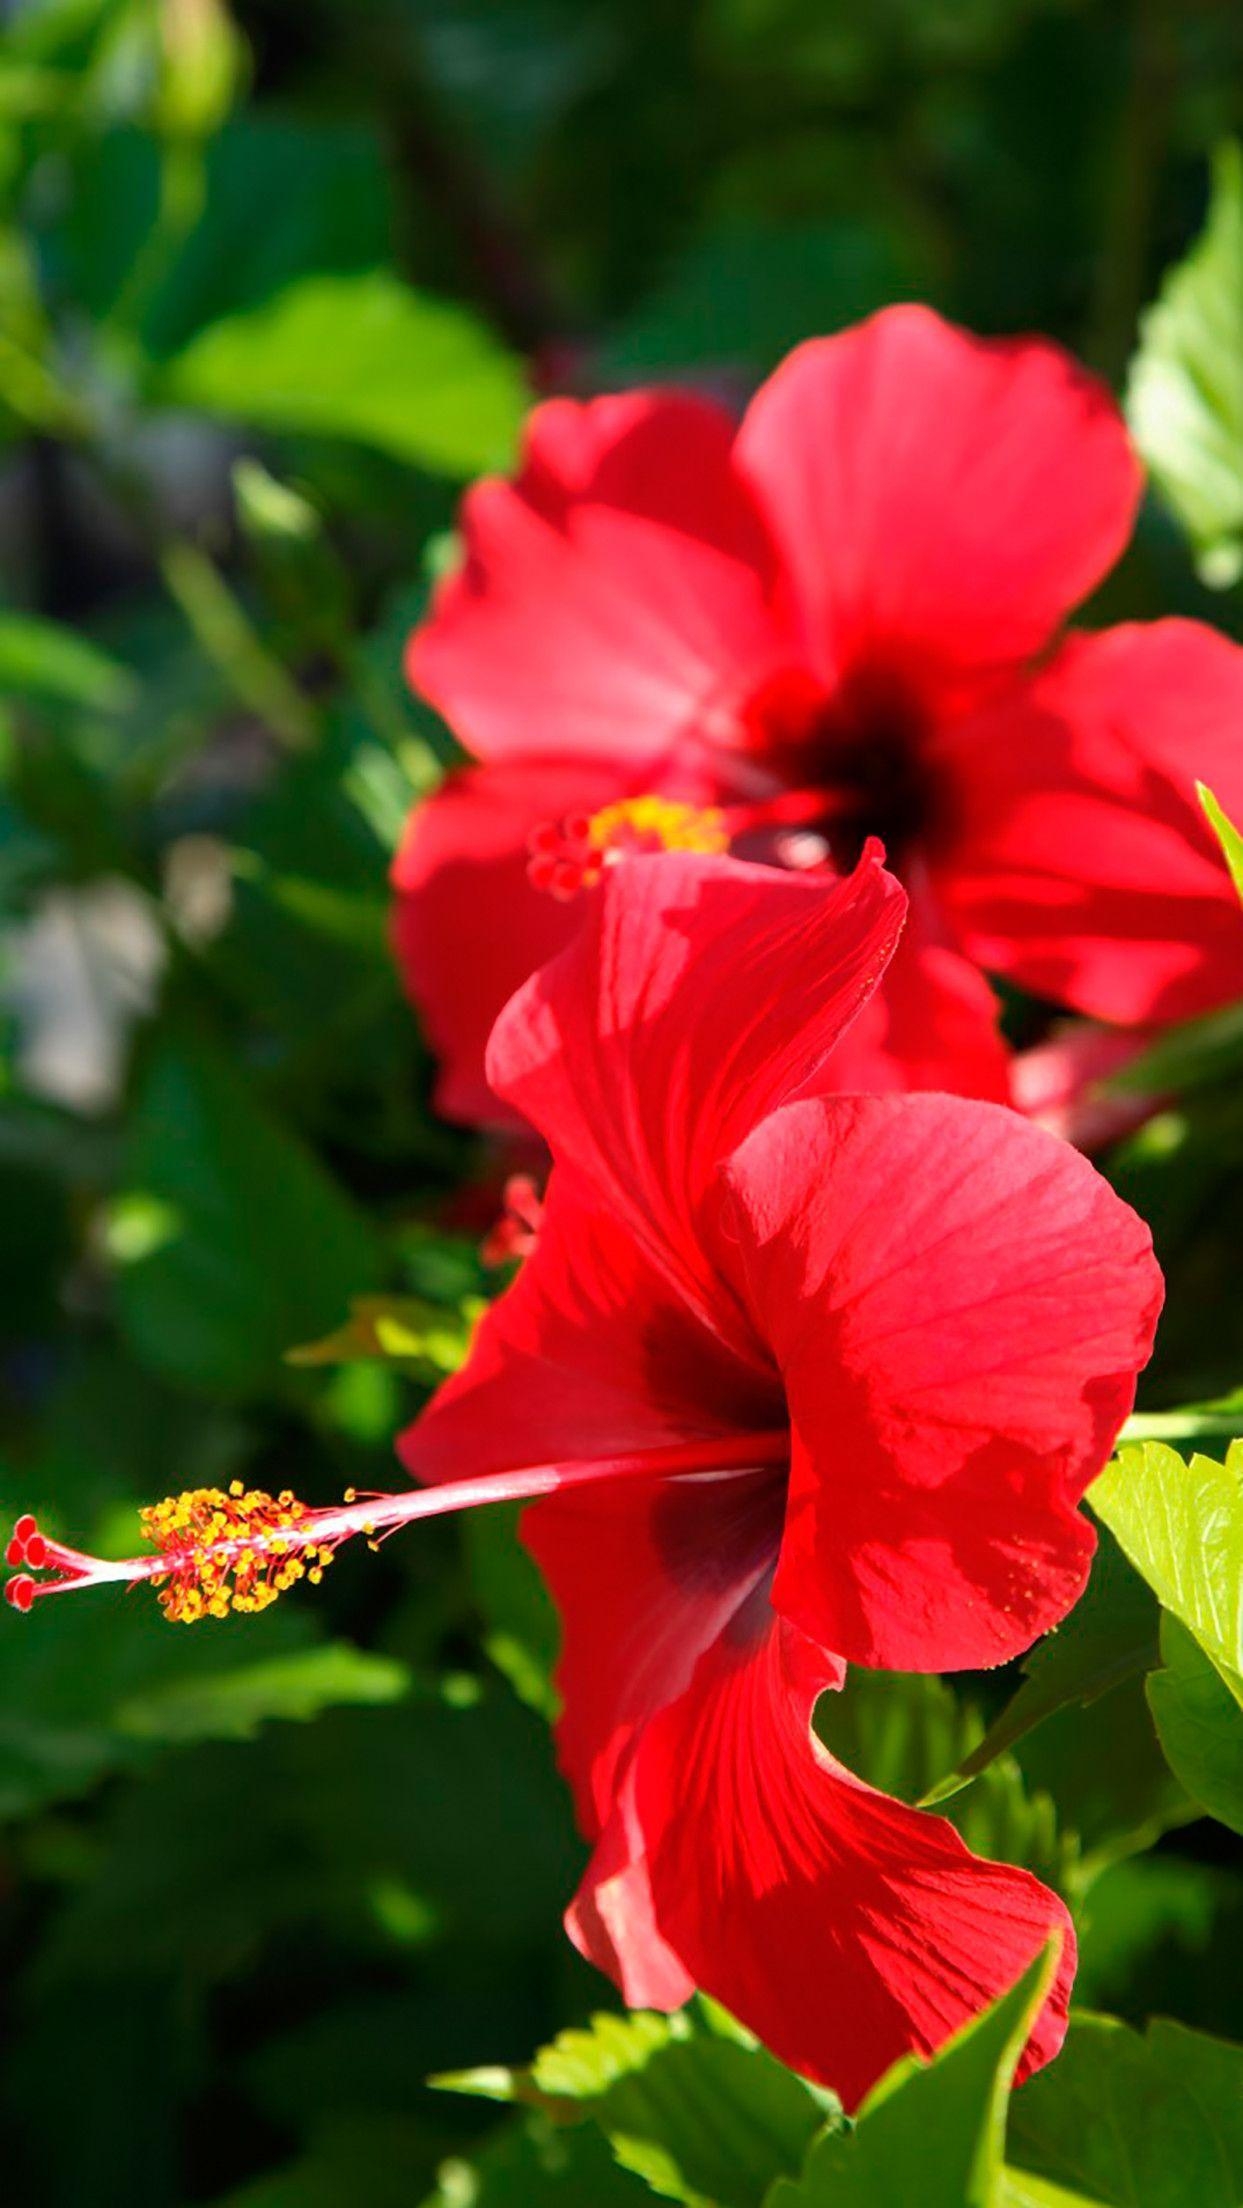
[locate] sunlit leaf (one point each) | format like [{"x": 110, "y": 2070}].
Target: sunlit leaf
[
  {"x": 1185, "y": 397},
  {"x": 1181, "y": 1524},
  {"x": 234, "y": 1703},
  {"x": 1227, "y": 836},
  {"x": 403, "y": 1330},
  {"x": 361, "y": 357},
  {"x": 709, "y": 2119}
]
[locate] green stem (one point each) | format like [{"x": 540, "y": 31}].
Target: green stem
[
  {"x": 230, "y": 641},
  {"x": 183, "y": 195}
]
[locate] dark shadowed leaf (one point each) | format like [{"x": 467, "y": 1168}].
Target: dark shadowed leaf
[
  {"x": 1197, "y": 1707},
  {"x": 231, "y": 1243},
  {"x": 1127, "y": 2122}
]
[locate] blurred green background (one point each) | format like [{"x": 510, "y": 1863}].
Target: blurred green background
[{"x": 273, "y": 285}]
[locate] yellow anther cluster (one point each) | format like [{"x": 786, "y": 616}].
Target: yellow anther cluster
[
  {"x": 658, "y": 824},
  {"x": 230, "y": 1552}
]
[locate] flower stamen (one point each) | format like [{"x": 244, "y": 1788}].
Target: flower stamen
[
  {"x": 214, "y": 1552},
  {"x": 516, "y": 1232},
  {"x": 570, "y": 854}
]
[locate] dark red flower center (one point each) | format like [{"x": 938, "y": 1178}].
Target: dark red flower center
[{"x": 861, "y": 750}]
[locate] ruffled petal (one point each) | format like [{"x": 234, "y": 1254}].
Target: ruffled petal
[
  {"x": 697, "y": 995},
  {"x": 614, "y": 595},
  {"x": 1082, "y": 866},
  {"x": 941, "y": 501},
  {"x": 934, "y": 1023},
  {"x": 842, "y": 1927},
  {"x": 612, "y": 1919},
  {"x": 959, "y": 1306},
  {"x": 467, "y": 926}
]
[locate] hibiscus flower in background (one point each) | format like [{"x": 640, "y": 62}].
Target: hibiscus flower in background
[
  {"x": 889, "y": 1341},
  {"x": 841, "y": 618}
]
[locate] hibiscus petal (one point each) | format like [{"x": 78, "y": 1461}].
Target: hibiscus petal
[
  {"x": 616, "y": 592},
  {"x": 1082, "y": 865},
  {"x": 612, "y": 1918},
  {"x": 941, "y": 501},
  {"x": 589, "y": 1354},
  {"x": 468, "y": 927},
  {"x": 959, "y": 1306},
  {"x": 932, "y": 1024},
  {"x": 644, "y": 1579},
  {"x": 1064, "y": 1083},
  {"x": 698, "y": 994},
  {"x": 842, "y": 1927}
]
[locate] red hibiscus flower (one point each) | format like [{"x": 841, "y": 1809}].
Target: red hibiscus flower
[
  {"x": 804, "y": 1381},
  {"x": 840, "y": 618},
  {"x": 893, "y": 1339}
]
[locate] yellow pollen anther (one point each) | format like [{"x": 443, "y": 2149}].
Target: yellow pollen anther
[
  {"x": 657, "y": 823},
  {"x": 569, "y": 855},
  {"x": 228, "y": 1552}
]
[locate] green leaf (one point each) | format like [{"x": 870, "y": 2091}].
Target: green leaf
[
  {"x": 1222, "y": 1414},
  {"x": 360, "y": 357},
  {"x": 536, "y": 2165},
  {"x": 383, "y": 2162},
  {"x": 1190, "y": 1055},
  {"x": 931, "y": 2132},
  {"x": 1117, "y": 1804},
  {"x": 1110, "y": 1635},
  {"x": 708, "y": 2118},
  {"x": 424, "y": 1337},
  {"x": 1125, "y": 2122},
  {"x": 1227, "y": 836},
  {"x": 232, "y": 1241},
  {"x": 1185, "y": 396},
  {"x": 1197, "y": 1708},
  {"x": 44, "y": 661},
  {"x": 234, "y": 1703},
  {"x": 1146, "y": 1935},
  {"x": 112, "y": 1681},
  {"x": 1182, "y": 1527}
]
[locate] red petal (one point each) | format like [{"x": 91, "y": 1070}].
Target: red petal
[
  {"x": 644, "y": 1580},
  {"x": 611, "y": 595},
  {"x": 699, "y": 993},
  {"x": 588, "y": 1354},
  {"x": 1084, "y": 868},
  {"x": 941, "y": 501},
  {"x": 959, "y": 1306},
  {"x": 1063, "y": 1083},
  {"x": 932, "y": 1024},
  {"x": 468, "y": 927},
  {"x": 612, "y": 1920},
  {"x": 842, "y": 1927}
]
